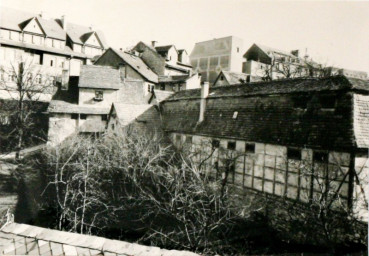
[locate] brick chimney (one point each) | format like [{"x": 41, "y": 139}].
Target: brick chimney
[
  {"x": 204, "y": 95},
  {"x": 63, "y": 21}
]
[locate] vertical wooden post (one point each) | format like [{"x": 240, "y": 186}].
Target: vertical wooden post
[{"x": 351, "y": 181}]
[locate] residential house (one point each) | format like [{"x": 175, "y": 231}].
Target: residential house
[
  {"x": 232, "y": 78},
  {"x": 331, "y": 71},
  {"x": 119, "y": 78},
  {"x": 170, "y": 64},
  {"x": 263, "y": 134},
  {"x": 270, "y": 63},
  {"x": 210, "y": 57},
  {"x": 53, "y": 45},
  {"x": 23, "y": 239}
]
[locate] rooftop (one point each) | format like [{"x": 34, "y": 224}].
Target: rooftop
[
  {"x": 99, "y": 77},
  {"x": 22, "y": 239}
]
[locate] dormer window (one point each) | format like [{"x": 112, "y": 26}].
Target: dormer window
[{"x": 99, "y": 95}]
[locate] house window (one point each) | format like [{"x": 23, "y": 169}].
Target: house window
[
  {"x": 300, "y": 102},
  {"x": 221, "y": 78},
  {"x": 51, "y": 63},
  {"x": 320, "y": 157},
  {"x": 150, "y": 88},
  {"x": 248, "y": 79},
  {"x": 328, "y": 101},
  {"x": 12, "y": 77},
  {"x": 83, "y": 116},
  {"x": 74, "y": 116},
  {"x": 250, "y": 148},
  {"x": 29, "y": 77},
  {"x": 33, "y": 39},
  {"x": 238, "y": 49},
  {"x": 162, "y": 87},
  {"x": 188, "y": 139},
  {"x": 104, "y": 117},
  {"x": 294, "y": 154},
  {"x": 231, "y": 145},
  {"x": 99, "y": 95},
  {"x": 53, "y": 43},
  {"x": 215, "y": 143},
  {"x": 178, "y": 138}
]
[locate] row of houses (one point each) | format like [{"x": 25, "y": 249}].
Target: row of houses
[{"x": 223, "y": 61}]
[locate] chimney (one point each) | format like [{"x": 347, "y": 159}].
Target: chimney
[
  {"x": 204, "y": 95},
  {"x": 153, "y": 43},
  {"x": 63, "y": 20}
]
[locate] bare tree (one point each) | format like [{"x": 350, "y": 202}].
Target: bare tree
[{"x": 24, "y": 90}]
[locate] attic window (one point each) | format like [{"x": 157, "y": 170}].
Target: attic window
[
  {"x": 235, "y": 114},
  {"x": 294, "y": 154},
  {"x": 328, "y": 101},
  {"x": 250, "y": 148},
  {"x": 221, "y": 78},
  {"x": 231, "y": 145},
  {"x": 99, "y": 96},
  {"x": 83, "y": 116},
  {"x": 74, "y": 116}
]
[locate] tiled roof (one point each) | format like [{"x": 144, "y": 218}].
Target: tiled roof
[
  {"x": 266, "y": 113},
  {"x": 22, "y": 239},
  {"x": 16, "y": 20},
  {"x": 79, "y": 34},
  {"x": 361, "y": 120},
  {"x": 278, "y": 87},
  {"x": 267, "y": 49},
  {"x": 126, "y": 113},
  {"x": 102, "y": 77},
  {"x": 178, "y": 67},
  {"x": 59, "y": 106},
  {"x": 66, "y": 51},
  {"x": 137, "y": 64}
]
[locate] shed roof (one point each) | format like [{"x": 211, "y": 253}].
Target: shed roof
[
  {"x": 22, "y": 239},
  {"x": 102, "y": 77}
]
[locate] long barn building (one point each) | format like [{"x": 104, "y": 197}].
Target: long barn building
[{"x": 288, "y": 138}]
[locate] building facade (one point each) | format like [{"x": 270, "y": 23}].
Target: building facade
[
  {"x": 210, "y": 57},
  {"x": 52, "y": 45}
]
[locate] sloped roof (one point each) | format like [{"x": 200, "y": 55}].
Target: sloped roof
[
  {"x": 126, "y": 113},
  {"x": 16, "y": 20},
  {"x": 22, "y": 239},
  {"x": 66, "y": 51},
  {"x": 137, "y": 64},
  {"x": 164, "y": 49},
  {"x": 281, "y": 86},
  {"x": 162, "y": 95},
  {"x": 60, "y": 106},
  {"x": 79, "y": 34},
  {"x": 232, "y": 77},
  {"x": 267, "y": 119},
  {"x": 102, "y": 77}
]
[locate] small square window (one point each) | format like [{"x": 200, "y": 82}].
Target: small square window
[
  {"x": 188, "y": 139},
  {"x": 320, "y": 157},
  {"x": 104, "y": 117},
  {"x": 74, "y": 116},
  {"x": 178, "y": 138},
  {"x": 294, "y": 154},
  {"x": 250, "y": 148},
  {"x": 83, "y": 116},
  {"x": 99, "y": 95},
  {"x": 215, "y": 143},
  {"x": 231, "y": 145}
]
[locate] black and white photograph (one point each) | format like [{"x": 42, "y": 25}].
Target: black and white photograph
[{"x": 184, "y": 127}]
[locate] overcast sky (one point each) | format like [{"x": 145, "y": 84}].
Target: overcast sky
[{"x": 335, "y": 33}]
